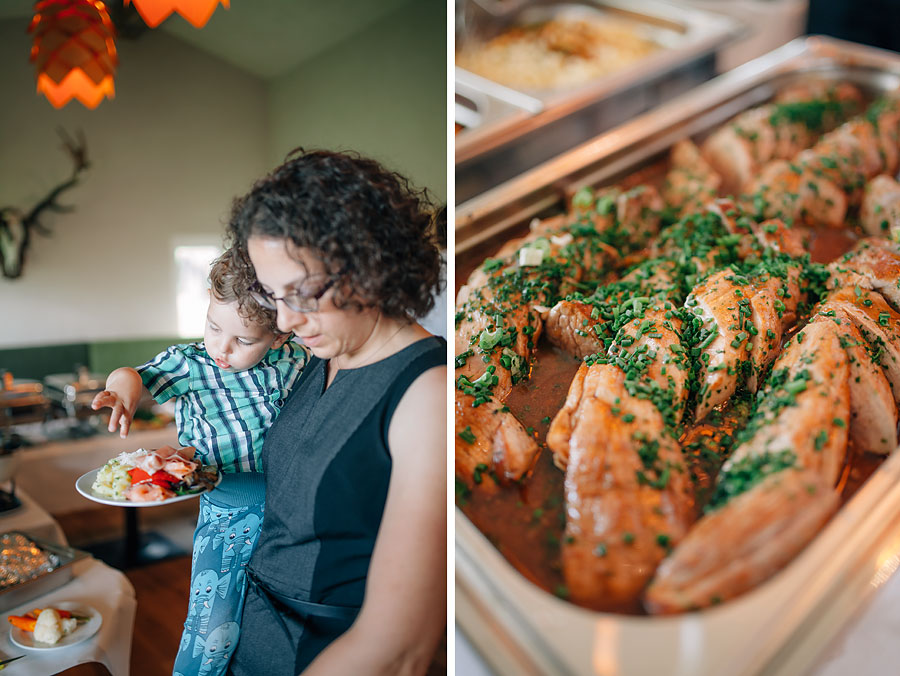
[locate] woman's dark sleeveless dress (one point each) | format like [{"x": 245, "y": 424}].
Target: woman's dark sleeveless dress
[{"x": 327, "y": 469}]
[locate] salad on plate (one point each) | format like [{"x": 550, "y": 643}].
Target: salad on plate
[{"x": 154, "y": 475}]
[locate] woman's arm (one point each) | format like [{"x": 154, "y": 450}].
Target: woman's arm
[{"x": 405, "y": 608}]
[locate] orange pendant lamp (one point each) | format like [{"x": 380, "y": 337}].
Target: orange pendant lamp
[
  {"x": 195, "y": 12},
  {"x": 74, "y": 51}
]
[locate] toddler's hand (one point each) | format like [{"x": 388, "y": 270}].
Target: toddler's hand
[{"x": 121, "y": 415}]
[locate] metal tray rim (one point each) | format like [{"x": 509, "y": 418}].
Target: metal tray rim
[
  {"x": 791, "y": 611},
  {"x": 706, "y": 31},
  {"x": 628, "y": 137},
  {"x": 69, "y": 556}
]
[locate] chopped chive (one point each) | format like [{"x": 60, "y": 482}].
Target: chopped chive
[{"x": 467, "y": 435}]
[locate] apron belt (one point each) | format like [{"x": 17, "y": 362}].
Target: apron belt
[{"x": 302, "y": 609}]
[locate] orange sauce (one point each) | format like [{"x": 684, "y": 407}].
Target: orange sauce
[{"x": 525, "y": 521}]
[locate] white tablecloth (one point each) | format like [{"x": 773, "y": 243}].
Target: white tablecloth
[
  {"x": 32, "y": 519},
  {"x": 868, "y": 645},
  {"x": 96, "y": 585}
]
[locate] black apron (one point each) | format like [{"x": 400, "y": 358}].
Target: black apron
[{"x": 327, "y": 469}]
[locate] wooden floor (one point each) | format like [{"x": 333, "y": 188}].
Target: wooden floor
[
  {"x": 162, "y": 595},
  {"x": 162, "y": 591}
]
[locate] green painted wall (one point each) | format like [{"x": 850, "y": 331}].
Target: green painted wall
[
  {"x": 107, "y": 356},
  {"x": 37, "y": 362},
  {"x": 382, "y": 92},
  {"x": 101, "y": 357}
]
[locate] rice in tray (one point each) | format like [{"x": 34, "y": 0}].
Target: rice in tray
[{"x": 557, "y": 53}]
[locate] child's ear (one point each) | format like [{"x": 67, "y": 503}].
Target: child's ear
[{"x": 280, "y": 339}]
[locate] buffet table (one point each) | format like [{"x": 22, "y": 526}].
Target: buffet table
[
  {"x": 94, "y": 584},
  {"x": 101, "y": 587}
]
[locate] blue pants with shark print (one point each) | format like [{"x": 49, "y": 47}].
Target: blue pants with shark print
[{"x": 223, "y": 542}]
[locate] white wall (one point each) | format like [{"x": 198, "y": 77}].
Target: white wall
[
  {"x": 184, "y": 135},
  {"x": 381, "y": 92}
]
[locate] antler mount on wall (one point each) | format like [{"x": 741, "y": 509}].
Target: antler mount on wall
[{"x": 17, "y": 225}]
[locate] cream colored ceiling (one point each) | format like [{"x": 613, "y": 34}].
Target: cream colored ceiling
[{"x": 265, "y": 37}]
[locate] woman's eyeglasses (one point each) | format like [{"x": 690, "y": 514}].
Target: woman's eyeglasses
[{"x": 294, "y": 299}]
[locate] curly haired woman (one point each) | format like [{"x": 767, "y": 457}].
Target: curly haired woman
[{"x": 349, "y": 575}]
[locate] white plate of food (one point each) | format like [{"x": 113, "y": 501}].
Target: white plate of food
[
  {"x": 88, "y": 622},
  {"x": 143, "y": 479}
]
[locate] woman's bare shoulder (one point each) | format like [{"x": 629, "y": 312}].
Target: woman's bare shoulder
[{"x": 421, "y": 415}]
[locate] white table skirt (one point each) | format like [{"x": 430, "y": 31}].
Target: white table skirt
[{"x": 97, "y": 585}]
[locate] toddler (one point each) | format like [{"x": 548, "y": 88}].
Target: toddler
[{"x": 228, "y": 390}]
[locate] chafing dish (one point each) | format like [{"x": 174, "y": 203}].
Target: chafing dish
[
  {"x": 21, "y": 401},
  {"x": 783, "y": 625},
  {"x": 60, "y": 571},
  {"x": 73, "y": 392},
  {"x": 506, "y": 130}
]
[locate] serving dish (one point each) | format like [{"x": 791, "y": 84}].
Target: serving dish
[
  {"x": 783, "y": 624},
  {"x": 65, "y": 558},
  {"x": 560, "y": 47},
  {"x": 509, "y": 129},
  {"x": 21, "y": 400},
  {"x": 74, "y": 392},
  {"x": 85, "y": 482}
]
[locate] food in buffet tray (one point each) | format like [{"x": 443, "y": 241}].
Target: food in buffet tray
[
  {"x": 561, "y": 52},
  {"x": 797, "y": 117},
  {"x": 880, "y": 211},
  {"x": 149, "y": 420},
  {"x": 21, "y": 559},
  {"x": 150, "y": 476},
  {"x": 48, "y": 625},
  {"x": 728, "y": 382}
]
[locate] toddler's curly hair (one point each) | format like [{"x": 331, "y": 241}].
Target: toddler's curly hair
[{"x": 230, "y": 280}]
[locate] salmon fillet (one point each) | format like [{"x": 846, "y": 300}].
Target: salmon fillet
[
  {"x": 873, "y": 414},
  {"x": 690, "y": 182},
  {"x": 743, "y": 544},
  {"x": 873, "y": 264},
  {"x": 879, "y": 214},
  {"x": 773, "y": 131}
]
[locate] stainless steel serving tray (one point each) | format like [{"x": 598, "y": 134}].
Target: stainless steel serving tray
[
  {"x": 74, "y": 392},
  {"x": 506, "y": 127},
  {"x": 782, "y": 626},
  {"x": 20, "y": 593}
]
